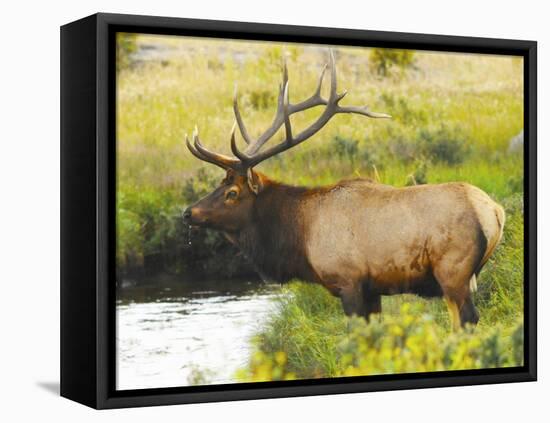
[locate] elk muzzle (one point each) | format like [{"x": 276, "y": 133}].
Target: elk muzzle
[
  {"x": 193, "y": 216},
  {"x": 186, "y": 214}
]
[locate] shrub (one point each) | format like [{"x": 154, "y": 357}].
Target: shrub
[
  {"x": 261, "y": 99},
  {"x": 152, "y": 237},
  {"x": 386, "y": 62},
  {"x": 443, "y": 145},
  {"x": 440, "y": 144},
  {"x": 420, "y": 174},
  {"x": 266, "y": 367},
  {"x": 412, "y": 342},
  {"x": 125, "y": 47},
  {"x": 313, "y": 339},
  {"x": 144, "y": 220},
  {"x": 368, "y": 156},
  {"x": 403, "y": 149},
  {"x": 402, "y": 111},
  {"x": 344, "y": 148},
  {"x": 129, "y": 248},
  {"x": 196, "y": 187}
]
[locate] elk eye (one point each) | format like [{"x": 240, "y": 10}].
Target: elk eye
[{"x": 231, "y": 195}]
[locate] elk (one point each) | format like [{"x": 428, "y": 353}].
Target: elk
[{"x": 358, "y": 238}]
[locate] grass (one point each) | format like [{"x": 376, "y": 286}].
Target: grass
[
  {"x": 160, "y": 101},
  {"x": 308, "y": 336},
  {"x": 306, "y": 326},
  {"x": 453, "y": 117}
]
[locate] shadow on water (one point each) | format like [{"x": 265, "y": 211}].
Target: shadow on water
[{"x": 172, "y": 289}]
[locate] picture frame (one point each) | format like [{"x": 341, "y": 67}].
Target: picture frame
[{"x": 88, "y": 233}]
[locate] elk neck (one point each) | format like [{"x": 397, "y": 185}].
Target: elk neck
[{"x": 274, "y": 238}]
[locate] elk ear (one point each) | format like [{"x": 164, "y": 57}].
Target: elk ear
[
  {"x": 229, "y": 176},
  {"x": 254, "y": 181}
]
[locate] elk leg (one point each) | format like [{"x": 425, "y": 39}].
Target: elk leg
[
  {"x": 456, "y": 291},
  {"x": 452, "y": 306},
  {"x": 352, "y": 301},
  {"x": 468, "y": 313},
  {"x": 373, "y": 304},
  {"x": 453, "y": 273}
]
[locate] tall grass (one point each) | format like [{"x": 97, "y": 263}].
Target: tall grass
[
  {"x": 306, "y": 325},
  {"x": 308, "y": 336},
  {"x": 159, "y": 101}
]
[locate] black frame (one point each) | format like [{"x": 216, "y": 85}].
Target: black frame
[{"x": 88, "y": 224}]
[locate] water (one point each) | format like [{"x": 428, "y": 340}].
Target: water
[{"x": 170, "y": 332}]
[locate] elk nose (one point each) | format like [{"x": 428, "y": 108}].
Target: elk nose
[{"x": 186, "y": 214}]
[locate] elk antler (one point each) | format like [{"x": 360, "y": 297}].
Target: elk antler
[
  {"x": 202, "y": 153},
  {"x": 252, "y": 155},
  {"x": 278, "y": 120}
]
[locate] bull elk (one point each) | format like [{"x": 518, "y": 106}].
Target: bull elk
[{"x": 358, "y": 238}]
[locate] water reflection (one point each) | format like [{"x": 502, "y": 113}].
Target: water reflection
[{"x": 166, "y": 331}]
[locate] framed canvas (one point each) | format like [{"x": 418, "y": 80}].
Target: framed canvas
[{"x": 258, "y": 211}]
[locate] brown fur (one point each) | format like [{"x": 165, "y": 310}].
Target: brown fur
[{"x": 361, "y": 239}]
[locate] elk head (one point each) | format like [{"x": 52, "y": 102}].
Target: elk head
[{"x": 228, "y": 208}]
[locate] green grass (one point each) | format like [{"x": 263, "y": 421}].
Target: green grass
[
  {"x": 307, "y": 336},
  {"x": 159, "y": 102},
  {"x": 306, "y": 325}
]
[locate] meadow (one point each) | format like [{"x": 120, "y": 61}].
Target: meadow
[{"x": 453, "y": 116}]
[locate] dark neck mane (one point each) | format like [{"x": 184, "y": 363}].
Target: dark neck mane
[{"x": 274, "y": 241}]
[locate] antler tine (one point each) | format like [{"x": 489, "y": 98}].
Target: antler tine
[
  {"x": 334, "y": 97},
  {"x": 332, "y": 108},
  {"x": 278, "y": 120},
  {"x": 333, "y": 82},
  {"x": 362, "y": 110},
  {"x": 252, "y": 156},
  {"x": 240, "y": 155},
  {"x": 313, "y": 101},
  {"x": 218, "y": 159},
  {"x": 285, "y": 71},
  {"x": 199, "y": 156},
  {"x": 286, "y": 115},
  {"x": 239, "y": 119},
  {"x": 192, "y": 149},
  {"x": 272, "y": 130}
]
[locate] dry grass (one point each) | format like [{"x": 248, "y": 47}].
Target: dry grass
[{"x": 191, "y": 82}]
